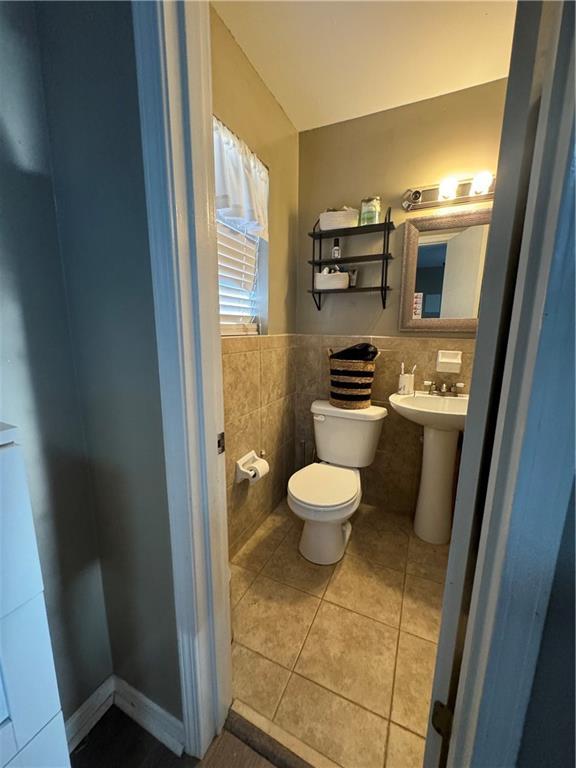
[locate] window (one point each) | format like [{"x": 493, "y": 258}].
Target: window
[
  {"x": 242, "y": 232},
  {"x": 237, "y": 279}
]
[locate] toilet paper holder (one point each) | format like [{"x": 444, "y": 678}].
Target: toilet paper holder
[{"x": 251, "y": 467}]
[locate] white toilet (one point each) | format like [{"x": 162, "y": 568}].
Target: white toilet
[{"x": 326, "y": 495}]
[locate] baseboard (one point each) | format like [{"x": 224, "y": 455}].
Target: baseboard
[
  {"x": 87, "y": 715},
  {"x": 163, "y": 726}
]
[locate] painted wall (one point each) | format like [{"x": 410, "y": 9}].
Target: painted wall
[
  {"x": 244, "y": 104},
  {"x": 91, "y": 94},
  {"x": 38, "y": 382},
  {"x": 385, "y": 154}
]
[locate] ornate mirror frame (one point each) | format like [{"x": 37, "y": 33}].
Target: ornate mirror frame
[{"x": 412, "y": 228}]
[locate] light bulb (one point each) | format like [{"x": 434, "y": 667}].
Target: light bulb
[
  {"x": 448, "y": 188},
  {"x": 481, "y": 183}
]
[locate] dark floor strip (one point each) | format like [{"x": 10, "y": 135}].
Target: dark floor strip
[
  {"x": 278, "y": 755},
  {"x": 228, "y": 751}
]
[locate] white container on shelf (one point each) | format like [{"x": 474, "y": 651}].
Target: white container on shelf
[
  {"x": 332, "y": 281},
  {"x": 339, "y": 219}
]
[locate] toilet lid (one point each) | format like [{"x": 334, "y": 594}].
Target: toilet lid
[{"x": 323, "y": 485}]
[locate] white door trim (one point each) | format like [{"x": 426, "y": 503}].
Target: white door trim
[
  {"x": 172, "y": 42},
  {"x": 532, "y": 470},
  {"x": 527, "y": 110}
]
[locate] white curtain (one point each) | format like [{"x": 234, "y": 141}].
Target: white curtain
[{"x": 241, "y": 183}]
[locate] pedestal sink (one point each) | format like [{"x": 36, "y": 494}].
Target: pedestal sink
[{"x": 442, "y": 418}]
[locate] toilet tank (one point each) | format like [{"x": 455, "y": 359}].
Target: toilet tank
[{"x": 345, "y": 437}]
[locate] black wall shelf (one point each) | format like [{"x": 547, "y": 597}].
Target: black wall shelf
[
  {"x": 362, "y": 289},
  {"x": 366, "y": 229},
  {"x": 352, "y": 260},
  {"x": 318, "y": 262}
]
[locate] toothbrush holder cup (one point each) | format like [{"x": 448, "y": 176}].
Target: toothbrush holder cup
[{"x": 406, "y": 384}]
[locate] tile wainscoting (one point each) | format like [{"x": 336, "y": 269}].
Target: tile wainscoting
[
  {"x": 260, "y": 379},
  {"x": 269, "y": 384},
  {"x": 392, "y": 479}
]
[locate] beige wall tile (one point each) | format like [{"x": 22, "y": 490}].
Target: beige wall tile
[
  {"x": 304, "y": 422},
  {"x": 308, "y": 369},
  {"x": 392, "y": 481},
  {"x": 278, "y": 368},
  {"x": 309, "y": 340},
  {"x": 337, "y": 342},
  {"x": 257, "y": 681},
  {"x": 422, "y": 607},
  {"x": 270, "y": 383},
  {"x": 405, "y": 749},
  {"x": 351, "y": 655},
  {"x": 232, "y": 344},
  {"x": 367, "y": 588},
  {"x": 243, "y": 434},
  {"x": 279, "y": 341},
  {"x": 342, "y": 731},
  {"x": 381, "y": 519},
  {"x": 413, "y": 683},
  {"x": 278, "y": 423},
  {"x": 241, "y": 380},
  {"x": 247, "y": 506},
  {"x": 273, "y": 619}
]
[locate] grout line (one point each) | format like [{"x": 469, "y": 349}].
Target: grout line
[
  {"x": 323, "y": 597},
  {"x": 362, "y": 615},
  {"x": 341, "y": 696},
  {"x": 292, "y": 671},
  {"x": 398, "y": 641},
  {"x": 277, "y": 707},
  {"x": 297, "y": 658},
  {"x": 263, "y": 656},
  {"x": 408, "y": 730}
]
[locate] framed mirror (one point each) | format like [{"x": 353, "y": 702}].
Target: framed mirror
[{"x": 442, "y": 268}]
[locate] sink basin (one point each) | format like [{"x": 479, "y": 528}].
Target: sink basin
[
  {"x": 443, "y": 418},
  {"x": 448, "y": 413}
]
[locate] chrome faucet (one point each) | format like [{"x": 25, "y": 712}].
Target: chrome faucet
[{"x": 444, "y": 391}]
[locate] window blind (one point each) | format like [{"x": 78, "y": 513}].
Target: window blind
[{"x": 237, "y": 279}]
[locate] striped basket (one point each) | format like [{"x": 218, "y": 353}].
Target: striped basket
[{"x": 351, "y": 383}]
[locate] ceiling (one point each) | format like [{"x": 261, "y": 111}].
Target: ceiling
[{"x": 331, "y": 61}]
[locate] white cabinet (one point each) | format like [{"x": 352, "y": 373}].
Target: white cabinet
[
  {"x": 32, "y": 731},
  {"x": 48, "y": 749},
  {"x": 20, "y": 576}
]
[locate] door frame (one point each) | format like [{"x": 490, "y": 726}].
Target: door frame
[
  {"x": 509, "y": 398},
  {"x": 172, "y": 44}
]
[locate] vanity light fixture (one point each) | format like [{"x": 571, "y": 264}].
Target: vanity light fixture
[
  {"x": 448, "y": 188},
  {"x": 451, "y": 191},
  {"x": 481, "y": 183}
]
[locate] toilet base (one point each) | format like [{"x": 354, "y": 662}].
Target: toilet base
[{"x": 324, "y": 543}]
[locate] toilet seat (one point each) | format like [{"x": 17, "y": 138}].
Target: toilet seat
[{"x": 324, "y": 492}]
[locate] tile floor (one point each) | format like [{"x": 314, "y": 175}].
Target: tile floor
[{"x": 340, "y": 656}]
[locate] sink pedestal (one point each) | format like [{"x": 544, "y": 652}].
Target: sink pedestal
[{"x": 433, "y": 521}]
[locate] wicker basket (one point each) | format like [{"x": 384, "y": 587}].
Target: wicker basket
[{"x": 351, "y": 383}]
